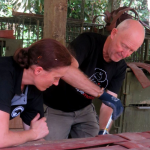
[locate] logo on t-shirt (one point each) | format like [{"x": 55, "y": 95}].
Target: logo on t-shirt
[
  {"x": 99, "y": 78},
  {"x": 17, "y": 111}
]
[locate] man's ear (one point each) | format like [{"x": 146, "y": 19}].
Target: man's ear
[
  {"x": 38, "y": 70},
  {"x": 113, "y": 32}
]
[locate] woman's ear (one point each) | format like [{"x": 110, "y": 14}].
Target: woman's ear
[
  {"x": 38, "y": 70},
  {"x": 113, "y": 32}
]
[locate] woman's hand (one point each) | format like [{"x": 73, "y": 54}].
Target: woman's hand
[{"x": 39, "y": 127}]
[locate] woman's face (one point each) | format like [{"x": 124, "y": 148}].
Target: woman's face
[{"x": 47, "y": 78}]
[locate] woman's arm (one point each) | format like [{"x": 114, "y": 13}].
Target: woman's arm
[{"x": 11, "y": 138}]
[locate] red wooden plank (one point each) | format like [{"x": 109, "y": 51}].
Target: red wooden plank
[
  {"x": 47, "y": 147},
  {"x": 130, "y": 144},
  {"x": 7, "y": 34},
  {"x": 145, "y": 82},
  {"x": 145, "y": 134},
  {"x": 144, "y": 148},
  {"x": 136, "y": 144},
  {"x": 145, "y": 143},
  {"x": 142, "y": 65},
  {"x": 116, "y": 147},
  {"x": 131, "y": 136},
  {"x": 71, "y": 143}
]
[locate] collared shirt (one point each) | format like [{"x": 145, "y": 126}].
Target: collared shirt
[{"x": 12, "y": 100}]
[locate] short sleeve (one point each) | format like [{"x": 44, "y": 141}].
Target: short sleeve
[
  {"x": 34, "y": 105},
  {"x": 118, "y": 78},
  {"x": 81, "y": 47},
  {"x": 6, "y": 90}
]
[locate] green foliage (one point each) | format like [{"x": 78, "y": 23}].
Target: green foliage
[
  {"x": 5, "y": 8},
  {"x": 91, "y": 9},
  {"x": 31, "y": 6},
  {"x": 98, "y": 7},
  {"x": 76, "y": 10},
  {"x": 95, "y": 8},
  {"x": 140, "y": 6}
]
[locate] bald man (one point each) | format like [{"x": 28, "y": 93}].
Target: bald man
[{"x": 101, "y": 58}]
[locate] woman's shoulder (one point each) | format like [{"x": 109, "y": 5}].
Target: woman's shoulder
[{"x": 6, "y": 62}]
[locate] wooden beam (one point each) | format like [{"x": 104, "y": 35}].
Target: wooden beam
[
  {"x": 15, "y": 13},
  {"x": 147, "y": 41},
  {"x": 55, "y": 18}
]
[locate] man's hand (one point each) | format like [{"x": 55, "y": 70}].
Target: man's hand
[
  {"x": 112, "y": 102},
  {"x": 39, "y": 127}
]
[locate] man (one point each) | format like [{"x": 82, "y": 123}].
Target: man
[{"x": 101, "y": 58}]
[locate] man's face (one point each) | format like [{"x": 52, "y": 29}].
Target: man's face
[{"x": 123, "y": 45}]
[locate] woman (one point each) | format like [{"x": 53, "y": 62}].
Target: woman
[{"x": 22, "y": 78}]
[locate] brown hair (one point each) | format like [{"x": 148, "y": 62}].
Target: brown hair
[{"x": 47, "y": 53}]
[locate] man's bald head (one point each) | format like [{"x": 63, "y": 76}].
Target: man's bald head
[{"x": 132, "y": 27}]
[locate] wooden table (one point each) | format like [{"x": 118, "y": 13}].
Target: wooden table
[{"x": 122, "y": 141}]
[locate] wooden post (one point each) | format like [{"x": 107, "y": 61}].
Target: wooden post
[
  {"x": 55, "y": 18},
  {"x": 82, "y": 14},
  {"x": 146, "y": 49}
]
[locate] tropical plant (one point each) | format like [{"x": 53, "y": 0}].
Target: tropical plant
[
  {"x": 91, "y": 8},
  {"x": 75, "y": 7},
  {"x": 30, "y": 6},
  {"x": 98, "y": 7},
  {"x": 140, "y": 6},
  {"x": 5, "y": 8}
]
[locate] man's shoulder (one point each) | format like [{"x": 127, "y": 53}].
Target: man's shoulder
[
  {"x": 121, "y": 64},
  {"x": 93, "y": 34},
  {"x": 87, "y": 38},
  {"x": 92, "y": 37}
]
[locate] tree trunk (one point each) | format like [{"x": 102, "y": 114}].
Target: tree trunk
[{"x": 55, "y": 18}]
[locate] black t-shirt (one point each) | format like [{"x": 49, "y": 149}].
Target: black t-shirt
[
  {"x": 12, "y": 100},
  {"x": 88, "y": 48}
]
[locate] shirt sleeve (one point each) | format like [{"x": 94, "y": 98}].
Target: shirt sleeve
[
  {"x": 81, "y": 47},
  {"x": 34, "y": 105},
  {"x": 117, "y": 80},
  {"x": 6, "y": 90}
]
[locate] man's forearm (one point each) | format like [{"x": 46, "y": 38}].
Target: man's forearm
[
  {"x": 105, "y": 113},
  {"x": 79, "y": 80}
]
